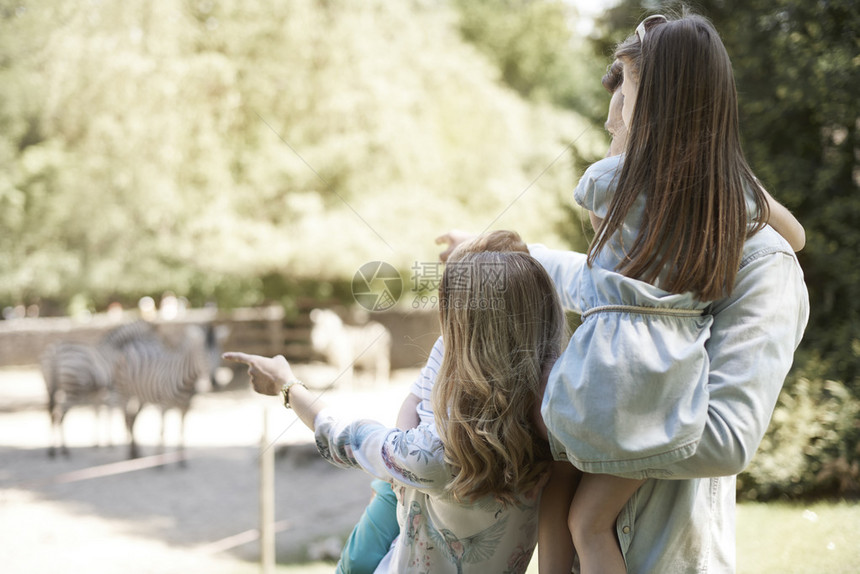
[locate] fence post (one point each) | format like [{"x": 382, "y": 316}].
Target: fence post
[{"x": 267, "y": 499}]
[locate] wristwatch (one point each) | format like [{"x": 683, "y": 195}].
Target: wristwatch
[{"x": 285, "y": 390}]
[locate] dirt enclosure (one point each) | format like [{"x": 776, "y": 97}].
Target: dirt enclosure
[{"x": 98, "y": 513}]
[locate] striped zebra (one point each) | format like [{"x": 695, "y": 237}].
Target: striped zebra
[
  {"x": 76, "y": 374},
  {"x": 152, "y": 372},
  {"x": 118, "y": 337}
]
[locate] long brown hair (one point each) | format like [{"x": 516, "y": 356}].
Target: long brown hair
[
  {"x": 684, "y": 154},
  {"x": 502, "y": 323}
]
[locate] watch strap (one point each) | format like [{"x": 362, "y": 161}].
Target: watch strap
[{"x": 285, "y": 390}]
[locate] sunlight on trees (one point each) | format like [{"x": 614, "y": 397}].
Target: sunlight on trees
[{"x": 155, "y": 145}]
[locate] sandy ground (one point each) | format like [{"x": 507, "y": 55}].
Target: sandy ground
[{"x": 95, "y": 512}]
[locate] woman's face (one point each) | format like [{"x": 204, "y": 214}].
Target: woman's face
[
  {"x": 615, "y": 125},
  {"x": 628, "y": 89}
]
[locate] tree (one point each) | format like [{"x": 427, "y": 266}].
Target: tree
[
  {"x": 205, "y": 147},
  {"x": 537, "y": 51}
]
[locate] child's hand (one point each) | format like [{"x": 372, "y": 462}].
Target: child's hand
[
  {"x": 453, "y": 238},
  {"x": 268, "y": 374}
]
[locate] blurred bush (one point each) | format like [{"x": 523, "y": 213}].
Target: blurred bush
[{"x": 812, "y": 447}]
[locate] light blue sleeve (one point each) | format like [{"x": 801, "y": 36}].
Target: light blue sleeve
[
  {"x": 565, "y": 269},
  {"x": 753, "y": 338},
  {"x": 596, "y": 186},
  {"x": 413, "y": 457}
]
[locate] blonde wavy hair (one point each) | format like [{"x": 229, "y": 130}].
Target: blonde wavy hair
[
  {"x": 502, "y": 324},
  {"x": 499, "y": 240}
]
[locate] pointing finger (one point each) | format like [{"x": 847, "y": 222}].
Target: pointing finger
[{"x": 238, "y": 357}]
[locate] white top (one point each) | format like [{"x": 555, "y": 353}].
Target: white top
[{"x": 422, "y": 387}]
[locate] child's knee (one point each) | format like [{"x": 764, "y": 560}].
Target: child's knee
[
  {"x": 585, "y": 524},
  {"x": 575, "y": 524}
]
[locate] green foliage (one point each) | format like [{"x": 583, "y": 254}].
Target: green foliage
[
  {"x": 812, "y": 446},
  {"x": 797, "y": 65},
  {"x": 536, "y": 49},
  {"x": 200, "y": 146},
  {"x": 798, "y": 73}
]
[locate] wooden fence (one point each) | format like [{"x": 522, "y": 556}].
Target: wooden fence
[{"x": 265, "y": 331}]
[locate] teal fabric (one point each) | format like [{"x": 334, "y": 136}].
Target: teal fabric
[{"x": 372, "y": 536}]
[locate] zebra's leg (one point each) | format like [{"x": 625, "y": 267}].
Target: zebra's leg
[
  {"x": 132, "y": 409},
  {"x": 113, "y": 404},
  {"x": 182, "y": 460},
  {"x": 103, "y": 410},
  {"x": 64, "y": 450},
  {"x": 57, "y": 410},
  {"x": 55, "y": 432},
  {"x": 109, "y": 412},
  {"x": 97, "y": 423},
  {"x": 163, "y": 432}
]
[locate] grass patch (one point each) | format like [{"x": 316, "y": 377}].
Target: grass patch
[
  {"x": 789, "y": 538},
  {"x": 796, "y": 538}
]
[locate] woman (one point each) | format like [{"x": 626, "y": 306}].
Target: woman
[
  {"x": 682, "y": 212},
  {"x": 468, "y": 489}
]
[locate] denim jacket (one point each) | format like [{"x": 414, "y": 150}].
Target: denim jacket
[{"x": 684, "y": 522}]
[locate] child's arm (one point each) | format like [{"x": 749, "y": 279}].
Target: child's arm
[
  {"x": 407, "y": 418},
  {"x": 785, "y": 223}
]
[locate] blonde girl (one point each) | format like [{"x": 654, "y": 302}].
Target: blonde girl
[{"x": 467, "y": 496}]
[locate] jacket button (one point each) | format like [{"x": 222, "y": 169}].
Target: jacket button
[{"x": 626, "y": 530}]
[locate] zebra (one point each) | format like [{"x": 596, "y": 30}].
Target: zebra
[
  {"x": 77, "y": 374},
  {"x": 140, "y": 330},
  {"x": 151, "y": 372}
]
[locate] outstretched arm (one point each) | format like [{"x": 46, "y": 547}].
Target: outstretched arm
[
  {"x": 413, "y": 457},
  {"x": 269, "y": 374}
]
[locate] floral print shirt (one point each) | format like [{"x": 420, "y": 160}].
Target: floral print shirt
[{"x": 437, "y": 534}]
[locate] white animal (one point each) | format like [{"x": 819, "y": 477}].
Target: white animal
[{"x": 346, "y": 347}]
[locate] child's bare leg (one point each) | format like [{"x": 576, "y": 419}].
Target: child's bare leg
[
  {"x": 595, "y": 508},
  {"x": 555, "y": 546}
]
